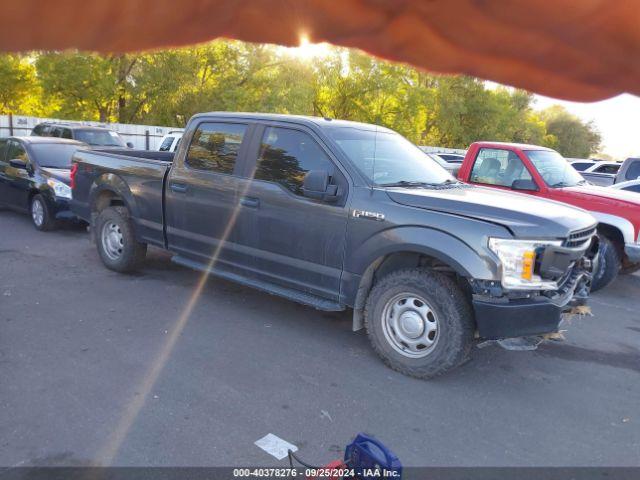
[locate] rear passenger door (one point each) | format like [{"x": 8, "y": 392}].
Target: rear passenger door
[
  {"x": 201, "y": 192},
  {"x": 289, "y": 239}
]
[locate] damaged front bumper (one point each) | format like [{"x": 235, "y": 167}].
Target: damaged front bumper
[{"x": 500, "y": 314}]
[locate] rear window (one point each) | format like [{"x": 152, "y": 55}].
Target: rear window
[
  {"x": 53, "y": 155},
  {"x": 633, "y": 173},
  {"x": 581, "y": 166}
]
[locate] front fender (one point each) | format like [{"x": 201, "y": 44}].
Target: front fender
[{"x": 447, "y": 248}]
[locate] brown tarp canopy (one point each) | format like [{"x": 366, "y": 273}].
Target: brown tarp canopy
[{"x": 572, "y": 49}]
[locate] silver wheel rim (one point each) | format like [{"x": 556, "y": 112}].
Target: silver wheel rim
[
  {"x": 410, "y": 325},
  {"x": 37, "y": 212},
  {"x": 112, "y": 240}
]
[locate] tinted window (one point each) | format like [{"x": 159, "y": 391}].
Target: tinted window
[
  {"x": 56, "y": 132},
  {"x": 607, "y": 169},
  {"x": 633, "y": 188},
  {"x": 17, "y": 151},
  {"x": 37, "y": 130},
  {"x": 287, "y": 155},
  {"x": 633, "y": 172},
  {"x": 452, "y": 158},
  {"x": 55, "y": 155},
  {"x": 581, "y": 166},
  {"x": 66, "y": 133},
  {"x": 166, "y": 144},
  {"x": 3, "y": 150},
  {"x": 498, "y": 167},
  {"x": 215, "y": 146}
]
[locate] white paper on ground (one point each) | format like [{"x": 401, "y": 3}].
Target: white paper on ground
[{"x": 275, "y": 446}]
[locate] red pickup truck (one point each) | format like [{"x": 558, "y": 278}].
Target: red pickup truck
[{"x": 543, "y": 172}]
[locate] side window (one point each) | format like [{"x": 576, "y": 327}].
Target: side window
[
  {"x": 498, "y": 167},
  {"x": 17, "y": 151},
  {"x": 66, "y": 133},
  {"x": 166, "y": 144},
  {"x": 633, "y": 188},
  {"x": 607, "y": 169},
  {"x": 215, "y": 147},
  {"x": 4, "y": 144},
  {"x": 633, "y": 173},
  {"x": 37, "y": 130},
  {"x": 287, "y": 155},
  {"x": 56, "y": 132}
]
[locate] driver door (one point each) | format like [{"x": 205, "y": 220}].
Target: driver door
[{"x": 17, "y": 181}]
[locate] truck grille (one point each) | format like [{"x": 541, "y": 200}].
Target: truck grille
[{"x": 581, "y": 238}]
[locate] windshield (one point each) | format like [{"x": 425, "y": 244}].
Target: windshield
[
  {"x": 105, "y": 138},
  {"x": 554, "y": 169},
  {"x": 54, "y": 155},
  {"x": 388, "y": 158}
]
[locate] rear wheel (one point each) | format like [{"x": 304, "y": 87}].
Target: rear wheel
[
  {"x": 419, "y": 322},
  {"x": 116, "y": 241},
  {"x": 41, "y": 215},
  {"x": 607, "y": 265}
]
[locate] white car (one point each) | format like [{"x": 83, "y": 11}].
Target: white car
[
  {"x": 630, "y": 186},
  {"x": 604, "y": 167},
  {"x": 170, "y": 141}
]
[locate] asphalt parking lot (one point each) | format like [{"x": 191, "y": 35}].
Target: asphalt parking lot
[{"x": 93, "y": 371}]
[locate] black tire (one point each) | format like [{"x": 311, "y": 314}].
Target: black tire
[
  {"x": 41, "y": 215},
  {"x": 450, "y": 308},
  {"x": 607, "y": 266},
  {"x": 116, "y": 240}
]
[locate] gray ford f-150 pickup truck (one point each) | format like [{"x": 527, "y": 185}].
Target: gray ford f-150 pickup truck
[{"x": 337, "y": 214}]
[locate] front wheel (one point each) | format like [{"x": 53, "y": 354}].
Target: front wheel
[
  {"x": 41, "y": 215},
  {"x": 419, "y": 322},
  {"x": 607, "y": 264},
  {"x": 116, "y": 241}
]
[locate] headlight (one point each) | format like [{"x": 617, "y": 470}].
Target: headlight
[
  {"x": 59, "y": 189},
  {"x": 518, "y": 259}
]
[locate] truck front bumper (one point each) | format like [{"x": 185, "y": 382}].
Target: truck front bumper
[{"x": 499, "y": 318}]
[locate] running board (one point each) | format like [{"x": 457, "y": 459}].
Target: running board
[{"x": 295, "y": 295}]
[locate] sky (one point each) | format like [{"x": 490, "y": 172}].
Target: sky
[{"x": 617, "y": 119}]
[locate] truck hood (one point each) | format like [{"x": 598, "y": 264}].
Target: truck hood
[
  {"x": 62, "y": 174},
  {"x": 525, "y": 215},
  {"x": 606, "y": 192}
]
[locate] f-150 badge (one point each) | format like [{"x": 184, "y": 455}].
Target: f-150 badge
[{"x": 370, "y": 215}]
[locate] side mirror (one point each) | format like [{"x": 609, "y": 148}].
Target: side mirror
[
  {"x": 18, "y": 163},
  {"x": 316, "y": 185},
  {"x": 129, "y": 145},
  {"x": 524, "y": 185}
]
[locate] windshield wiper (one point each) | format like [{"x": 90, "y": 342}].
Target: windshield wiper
[{"x": 413, "y": 183}]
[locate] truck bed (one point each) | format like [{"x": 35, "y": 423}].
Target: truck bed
[{"x": 137, "y": 176}]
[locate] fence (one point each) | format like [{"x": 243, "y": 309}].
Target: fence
[{"x": 143, "y": 137}]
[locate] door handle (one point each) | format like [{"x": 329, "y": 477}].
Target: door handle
[
  {"x": 250, "y": 202},
  {"x": 179, "y": 187}
]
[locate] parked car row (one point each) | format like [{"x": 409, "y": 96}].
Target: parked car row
[
  {"x": 607, "y": 173},
  {"x": 337, "y": 215}
]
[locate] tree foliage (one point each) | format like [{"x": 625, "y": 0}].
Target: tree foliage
[{"x": 167, "y": 87}]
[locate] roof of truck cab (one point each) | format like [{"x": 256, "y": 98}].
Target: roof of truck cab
[
  {"x": 322, "y": 122},
  {"x": 521, "y": 146}
]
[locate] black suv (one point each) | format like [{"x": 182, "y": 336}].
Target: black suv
[{"x": 94, "y": 136}]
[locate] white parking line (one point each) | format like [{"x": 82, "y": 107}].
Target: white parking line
[{"x": 275, "y": 446}]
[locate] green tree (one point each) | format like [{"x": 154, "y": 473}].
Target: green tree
[
  {"x": 572, "y": 137},
  {"x": 19, "y": 89}
]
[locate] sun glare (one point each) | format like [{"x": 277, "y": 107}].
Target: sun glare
[{"x": 306, "y": 50}]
